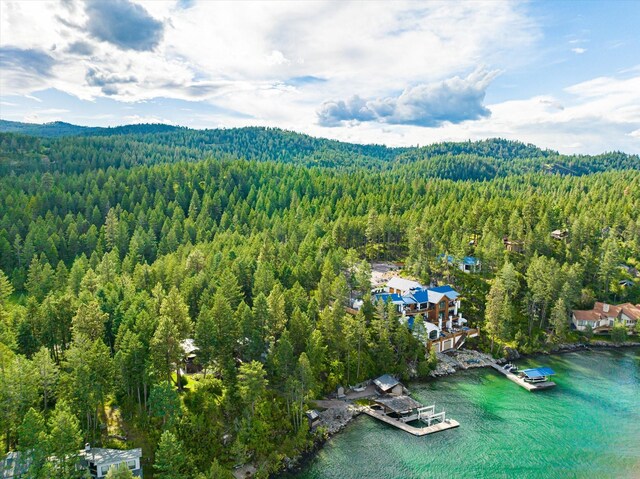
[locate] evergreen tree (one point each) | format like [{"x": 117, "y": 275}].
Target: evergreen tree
[
  {"x": 171, "y": 460},
  {"x": 47, "y": 375},
  {"x": 64, "y": 441},
  {"x": 560, "y": 319},
  {"x": 119, "y": 471}
]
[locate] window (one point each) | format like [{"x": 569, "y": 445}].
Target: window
[
  {"x": 131, "y": 464},
  {"x": 104, "y": 470},
  {"x": 443, "y": 304}
]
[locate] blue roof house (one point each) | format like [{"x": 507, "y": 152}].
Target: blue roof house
[{"x": 468, "y": 264}]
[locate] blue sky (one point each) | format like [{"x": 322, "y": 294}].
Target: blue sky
[{"x": 562, "y": 75}]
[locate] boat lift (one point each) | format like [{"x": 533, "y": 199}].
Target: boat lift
[
  {"x": 537, "y": 375},
  {"x": 428, "y": 415}
]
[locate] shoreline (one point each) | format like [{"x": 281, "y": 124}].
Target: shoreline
[{"x": 293, "y": 465}]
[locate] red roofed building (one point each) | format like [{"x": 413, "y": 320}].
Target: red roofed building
[{"x": 603, "y": 316}]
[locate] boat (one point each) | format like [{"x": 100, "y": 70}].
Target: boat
[{"x": 512, "y": 368}]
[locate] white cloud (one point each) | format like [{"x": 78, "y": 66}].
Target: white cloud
[
  {"x": 247, "y": 45},
  {"x": 275, "y": 63},
  {"x": 452, "y": 100}
]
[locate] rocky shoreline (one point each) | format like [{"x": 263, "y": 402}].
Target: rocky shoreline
[
  {"x": 332, "y": 420},
  {"x": 455, "y": 361},
  {"x": 340, "y": 413}
]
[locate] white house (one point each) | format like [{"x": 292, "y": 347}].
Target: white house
[{"x": 99, "y": 460}]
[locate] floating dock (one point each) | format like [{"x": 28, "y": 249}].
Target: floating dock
[
  {"x": 416, "y": 431},
  {"x": 528, "y": 386}
]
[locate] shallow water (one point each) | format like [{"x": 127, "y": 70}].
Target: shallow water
[{"x": 588, "y": 426}]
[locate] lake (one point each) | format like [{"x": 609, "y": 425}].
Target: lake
[{"x": 588, "y": 426}]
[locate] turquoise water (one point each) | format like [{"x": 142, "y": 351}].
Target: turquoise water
[{"x": 588, "y": 426}]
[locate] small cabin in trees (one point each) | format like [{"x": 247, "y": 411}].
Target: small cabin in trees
[
  {"x": 468, "y": 264},
  {"x": 190, "y": 356},
  {"x": 514, "y": 246},
  {"x": 313, "y": 418}
]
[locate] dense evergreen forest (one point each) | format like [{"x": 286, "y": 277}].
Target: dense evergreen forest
[{"x": 118, "y": 244}]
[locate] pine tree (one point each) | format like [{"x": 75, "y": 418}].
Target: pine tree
[
  {"x": 32, "y": 441},
  {"x": 164, "y": 403},
  {"x": 119, "y": 471},
  {"x": 171, "y": 460},
  {"x": 64, "y": 440},
  {"x": 494, "y": 323},
  {"x": 560, "y": 319},
  {"x": 173, "y": 327},
  {"x": 46, "y": 372},
  {"x": 216, "y": 471},
  {"x": 90, "y": 320},
  {"x": 252, "y": 384}
]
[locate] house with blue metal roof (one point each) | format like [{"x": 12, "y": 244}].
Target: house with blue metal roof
[
  {"x": 443, "y": 326},
  {"x": 468, "y": 264}
]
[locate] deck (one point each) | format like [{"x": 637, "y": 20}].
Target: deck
[
  {"x": 416, "y": 431},
  {"x": 523, "y": 383}
]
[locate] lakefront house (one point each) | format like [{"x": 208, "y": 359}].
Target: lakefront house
[
  {"x": 603, "y": 316},
  {"x": 445, "y": 328}
]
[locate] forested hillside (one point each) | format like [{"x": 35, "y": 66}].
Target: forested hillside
[
  {"x": 71, "y": 149},
  {"x": 117, "y": 246}
]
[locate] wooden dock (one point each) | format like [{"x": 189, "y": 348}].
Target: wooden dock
[
  {"x": 522, "y": 382},
  {"x": 416, "y": 431}
]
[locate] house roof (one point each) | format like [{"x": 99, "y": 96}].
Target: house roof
[
  {"x": 398, "y": 404},
  {"x": 403, "y": 284},
  {"x": 189, "y": 346},
  {"x": 471, "y": 260},
  {"x": 98, "y": 455},
  {"x": 312, "y": 414},
  {"x": 613, "y": 312},
  {"x": 386, "y": 382},
  {"x": 446, "y": 289},
  {"x": 607, "y": 310},
  {"x": 432, "y": 295},
  {"x": 420, "y": 296},
  {"x": 409, "y": 299},
  {"x": 631, "y": 310},
  {"x": 586, "y": 315}
]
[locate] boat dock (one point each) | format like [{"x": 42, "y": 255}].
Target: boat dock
[
  {"x": 527, "y": 385},
  {"x": 416, "y": 431}
]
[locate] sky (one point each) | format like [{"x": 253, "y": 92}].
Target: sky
[{"x": 559, "y": 74}]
